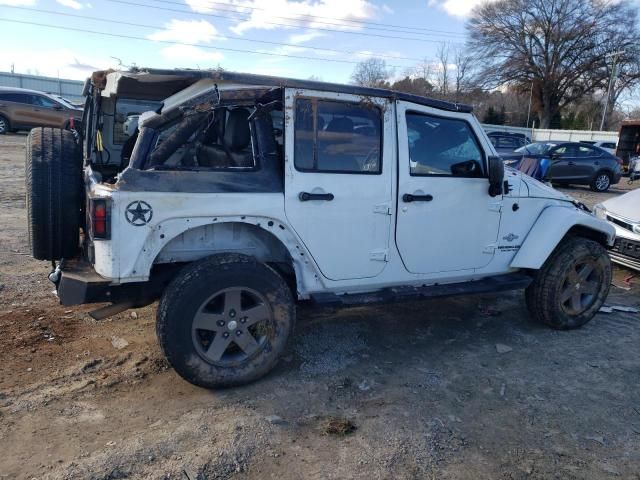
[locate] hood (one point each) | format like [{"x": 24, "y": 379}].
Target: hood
[
  {"x": 542, "y": 190},
  {"x": 626, "y": 206}
]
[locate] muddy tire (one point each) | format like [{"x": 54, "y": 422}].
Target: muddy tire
[
  {"x": 571, "y": 286},
  {"x": 601, "y": 182},
  {"x": 53, "y": 174},
  {"x": 225, "y": 320},
  {"x": 4, "y": 125}
]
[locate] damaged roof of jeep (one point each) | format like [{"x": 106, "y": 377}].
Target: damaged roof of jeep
[{"x": 139, "y": 80}]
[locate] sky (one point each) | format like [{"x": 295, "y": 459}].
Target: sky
[{"x": 295, "y": 38}]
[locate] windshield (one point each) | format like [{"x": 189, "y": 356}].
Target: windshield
[
  {"x": 536, "y": 148},
  {"x": 64, "y": 101}
]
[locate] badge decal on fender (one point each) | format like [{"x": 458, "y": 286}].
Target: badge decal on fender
[{"x": 138, "y": 213}]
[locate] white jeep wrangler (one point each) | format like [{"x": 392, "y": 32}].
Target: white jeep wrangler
[{"x": 245, "y": 194}]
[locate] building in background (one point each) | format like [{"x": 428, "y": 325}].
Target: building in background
[{"x": 69, "y": 89}]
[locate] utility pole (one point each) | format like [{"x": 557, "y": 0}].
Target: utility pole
[
  {"x": 611, "y": 80},
  {"x": 530, "y": 98}
]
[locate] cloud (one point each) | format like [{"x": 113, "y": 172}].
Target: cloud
[
  {"x": 263, "y": 14},
  {"x": 187, "y": 31},
  {"x": 53, "y": 63},
  {"x": 305, "y": 37},
  {"x": 18, "y": 3},
  {"x": 458, "y": 8},
  {"x": 190, "y": 54},
  {"x": 71, "y": 4}
]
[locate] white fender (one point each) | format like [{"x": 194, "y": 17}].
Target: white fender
[{"x": 550, "y": 228}]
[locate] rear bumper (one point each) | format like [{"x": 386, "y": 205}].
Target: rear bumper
[{"x": 80, "y": 284}]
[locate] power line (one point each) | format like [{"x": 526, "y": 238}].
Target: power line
[
  {"x": 169, "y": 42},
  {"x": 243, "y": 39},
  {"x": 355, "y": 23},
  {"x": 155, "y": 7}
]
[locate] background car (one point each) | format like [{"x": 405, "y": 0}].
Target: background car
[
  {"x": 623, "y": 213},
  {"x": 22, "y": 109},
  {"x": 609, "y": 146},
  {"x": 506, "y": 143},
  {"x": 572, "y": 163}
]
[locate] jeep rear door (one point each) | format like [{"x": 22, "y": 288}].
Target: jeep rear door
[
  {"x": 338, "y": 179},
  {"x": 446, "y": 219}
]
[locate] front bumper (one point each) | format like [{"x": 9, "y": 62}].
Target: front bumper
[{"x": 626, "y": 252}]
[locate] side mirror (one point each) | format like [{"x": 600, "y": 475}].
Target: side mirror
[
  {"x": 496, "y": 176},
  {"x": 57, "y": 107}
]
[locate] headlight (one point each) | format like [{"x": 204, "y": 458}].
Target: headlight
[
  {"x": 599, "y": 211},
  {"x": 636, "y": 228}
]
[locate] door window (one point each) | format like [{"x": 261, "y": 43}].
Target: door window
[
  {"x": 442, "y": 147},
  {"x": 16, "y": 97},
  {"x": 586, "y": 152},
  {"x": 43, "y": 102},
  {"x": 338, "y": 137},
  {"x": 566, "y": 151}
]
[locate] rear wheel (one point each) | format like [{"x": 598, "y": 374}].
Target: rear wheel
[
  {"x": 53, "y": 172},
  {"x": 4, "y": 125},
  {"x": 571, "y": 286},
  {"x": 601, "y": 182},
  {"x": 225, "y": 320}
]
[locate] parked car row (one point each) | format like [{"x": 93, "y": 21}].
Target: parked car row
[
  {"x": 22, "y": 109},
  {"x": 566, "y": 163}
]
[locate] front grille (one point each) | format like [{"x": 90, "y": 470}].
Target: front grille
[
  {"x": 621, "y": 223},
  {"x": 628, "y": 248}
]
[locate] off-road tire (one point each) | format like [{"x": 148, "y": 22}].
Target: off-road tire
[
  {"x": 543, "y": 296},
  {"x": 53, "y": 176},
  {"x": 5, "y": 127},
  {"x": 193, "y": 286},
  {"x": 598, "y": 183}
]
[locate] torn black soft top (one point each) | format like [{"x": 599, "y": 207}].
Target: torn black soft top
[{"x": 222, "y": 76}]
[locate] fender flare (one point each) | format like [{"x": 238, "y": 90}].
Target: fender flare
[
  {"x": 307, "y": 277},
  {"x": 551, "y": 227}
]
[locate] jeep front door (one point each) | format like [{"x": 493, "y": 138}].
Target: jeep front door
[
  {"x": 446, "y": 219},
  {"x": 338, "y": 188}
]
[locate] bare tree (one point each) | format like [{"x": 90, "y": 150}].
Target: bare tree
[
  {"x": 442, "y": 74},
  {"x": 463, "y": 62},
  {"x": 372, "y": 72},
  {"x": 557, "y": 46}
]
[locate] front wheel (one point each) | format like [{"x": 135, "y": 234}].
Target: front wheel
[
  {"x": 225, "y": 320},
  {"x": 571, "y": 286}
]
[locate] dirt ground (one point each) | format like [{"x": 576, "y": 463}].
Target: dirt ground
[{"x": 461, "y": 388}]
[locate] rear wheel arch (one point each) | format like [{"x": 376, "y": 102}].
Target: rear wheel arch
[{"x": 268, "y": 241}]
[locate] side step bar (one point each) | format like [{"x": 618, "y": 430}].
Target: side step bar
[{"x": 499, "y": 283}]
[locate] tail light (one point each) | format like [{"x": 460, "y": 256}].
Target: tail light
[
  {"x": 100, "y": 219},
  {"x": 619, "y": 160}
]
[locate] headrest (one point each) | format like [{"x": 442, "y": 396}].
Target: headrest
[
  {"x": 237, "y": 134},
  {"x": 340, "y": 124}
]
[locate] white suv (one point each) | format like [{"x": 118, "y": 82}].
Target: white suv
[{"x": 244, "y": 194}]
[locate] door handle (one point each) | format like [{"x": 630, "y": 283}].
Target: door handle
[
  {"x": 570, "y": 163},
  {"x": 306, "y": 196},
  {"x": 408, "y": 198}
]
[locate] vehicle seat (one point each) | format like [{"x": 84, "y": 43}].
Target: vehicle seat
[{"x": 235, "y": 148}]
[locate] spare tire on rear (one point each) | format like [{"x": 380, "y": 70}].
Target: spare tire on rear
[{"x": 53, "y": 172}]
